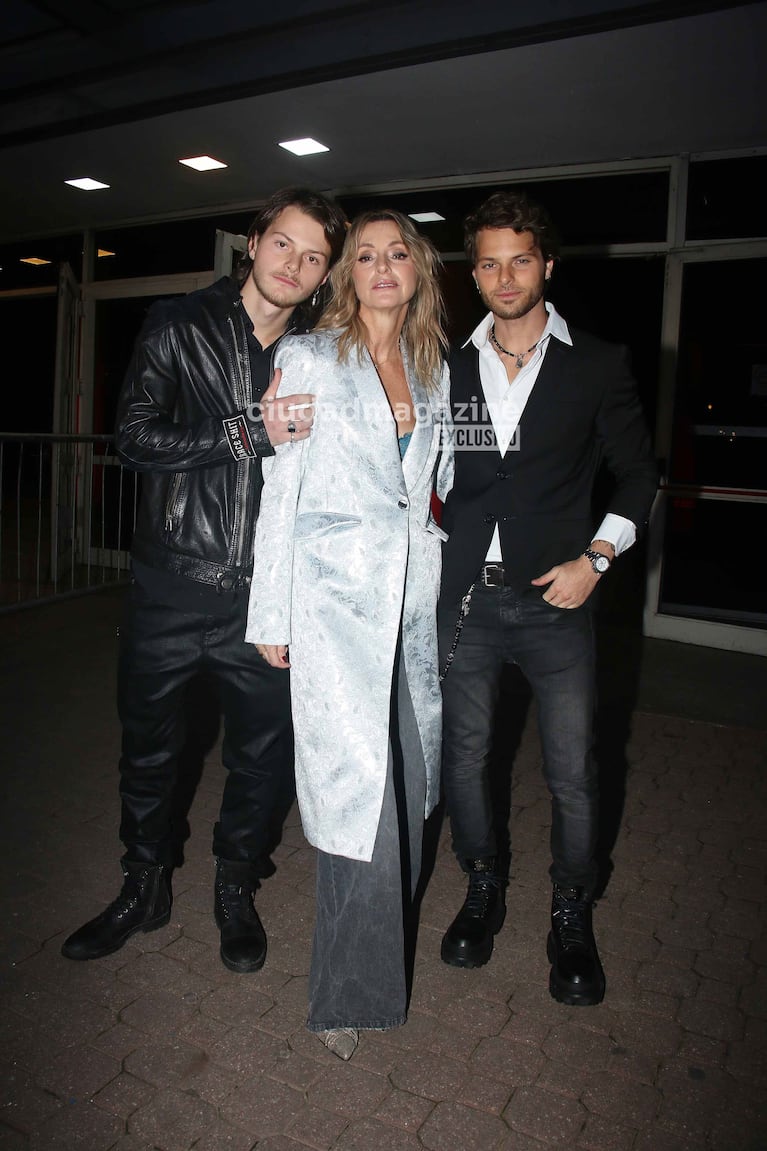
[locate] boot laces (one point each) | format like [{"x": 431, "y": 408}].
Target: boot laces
[
  {"x": 130, "y": 894},
  {"x": 236, "y": 900},
  {"x": 483, "y": 888},
  {"x": 570, "y": 921}
]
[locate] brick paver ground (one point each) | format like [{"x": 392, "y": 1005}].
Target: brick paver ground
[{"x": 159, "y": 1048}]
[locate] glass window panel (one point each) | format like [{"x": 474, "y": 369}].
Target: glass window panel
[
  {"x": 28, "y": 339},
  {"x": 162, "y": 249},
  {"x": 620, "y": 300},
  {"x": 702, "y": 577},
  {"x": 55, "y": 249},
  {"x": 720, "y": 413},
  {"x": 628, "y": 208},
  {"x": 725, "y": 198}
]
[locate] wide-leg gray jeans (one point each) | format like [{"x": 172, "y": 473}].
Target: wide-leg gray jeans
[{"x": 358, "y": 974}]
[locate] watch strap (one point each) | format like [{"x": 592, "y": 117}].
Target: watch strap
[{"x": 598, "y": 558}]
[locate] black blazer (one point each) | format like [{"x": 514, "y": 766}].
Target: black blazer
[{"x": 583, "y": 408}]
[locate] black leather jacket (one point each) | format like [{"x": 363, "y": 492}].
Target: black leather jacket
[{"x": 181, "y": 422}]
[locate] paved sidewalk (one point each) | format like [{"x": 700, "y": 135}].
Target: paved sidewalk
[{"x": 159, "y": 1048}]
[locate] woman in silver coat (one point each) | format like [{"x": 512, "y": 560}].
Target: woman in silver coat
[{"x": 346, "y": 575}]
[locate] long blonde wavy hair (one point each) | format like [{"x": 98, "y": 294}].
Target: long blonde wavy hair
[{"x": 423, "y": 332}]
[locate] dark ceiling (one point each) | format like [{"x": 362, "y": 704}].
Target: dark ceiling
[{"x": 402, "y": 92}]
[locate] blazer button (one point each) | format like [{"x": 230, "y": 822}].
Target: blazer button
[
  {"x": 501, "y": 475},
  {"x": 402, "y": 504},
  {"x": 489, "y": 519}
]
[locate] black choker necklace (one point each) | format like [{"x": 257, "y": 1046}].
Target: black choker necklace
[{"x": 519, "y": 357}]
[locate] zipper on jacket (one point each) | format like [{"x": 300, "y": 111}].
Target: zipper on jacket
[
  {"x": 241, "y": 483},
  {"x": 241, "y": 399},
  {"x": 170, "y": 503},
  {"x": 246, "y": 397}
]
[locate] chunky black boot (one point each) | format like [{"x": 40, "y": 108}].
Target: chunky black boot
[
  {"x": 576, "y": 976},
  {"x": 243, "y": 939},
  {"x": 468, "y": 941},
  {"x": 142, "y": 905}
]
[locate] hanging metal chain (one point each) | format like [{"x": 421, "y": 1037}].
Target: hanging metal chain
[{"x": 465, "y": 605}]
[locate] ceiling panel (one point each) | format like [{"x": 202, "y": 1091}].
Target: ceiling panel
[{"x": 692, "y": 83}]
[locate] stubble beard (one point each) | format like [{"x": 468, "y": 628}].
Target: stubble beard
[
  {"x": 286, "y": 298},
  {"x": 516, "y": 310}
]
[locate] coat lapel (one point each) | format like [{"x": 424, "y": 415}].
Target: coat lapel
[
  {"x": 378, "y": 420},
  {"x": 417, "y": 454}
]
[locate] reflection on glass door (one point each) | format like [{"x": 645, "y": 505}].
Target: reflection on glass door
[{"x": 716, "y": 500}]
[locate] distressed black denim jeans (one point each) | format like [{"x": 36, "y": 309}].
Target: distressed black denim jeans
[{"x": 554, "y": 649}]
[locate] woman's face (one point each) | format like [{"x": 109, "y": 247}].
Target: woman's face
[{"x": 384, "y": 274}]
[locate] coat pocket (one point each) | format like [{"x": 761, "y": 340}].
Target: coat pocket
[
  {"x": 312, "y": 524},
  {"x": 433, "y": 528}
]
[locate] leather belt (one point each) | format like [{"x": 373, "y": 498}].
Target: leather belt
[{"x": 492, "y": 575}]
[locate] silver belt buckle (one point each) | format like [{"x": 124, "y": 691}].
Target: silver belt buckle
[{"x": 492, "y": 575}]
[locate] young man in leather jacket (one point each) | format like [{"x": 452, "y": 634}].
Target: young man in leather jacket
[{"x": 196, "y": 417}]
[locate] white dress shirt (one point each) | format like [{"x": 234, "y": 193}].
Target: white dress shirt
[{"x": 506, "y": 403}]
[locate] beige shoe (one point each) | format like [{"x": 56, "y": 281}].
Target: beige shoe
[{"x": 342, "y": 1041}]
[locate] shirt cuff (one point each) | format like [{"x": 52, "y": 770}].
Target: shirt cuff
[{"x": 618, "y": 531}]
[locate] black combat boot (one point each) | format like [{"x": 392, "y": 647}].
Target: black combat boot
[
  {"x": 468, "y": 941},
  {"x": 576, "y": 976},
  {"x": 142, "y": 905},
  {"x": 243, "y": 939}
]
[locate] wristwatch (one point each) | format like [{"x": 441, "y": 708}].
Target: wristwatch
[{"x": 599, "y": 562}]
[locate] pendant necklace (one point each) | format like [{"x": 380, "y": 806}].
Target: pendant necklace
[{"x": 518, "y": 357}]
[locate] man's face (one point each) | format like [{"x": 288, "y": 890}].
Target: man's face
[
  {"x": 290, "y": 259},
  {"x": 510, "y": 272}
]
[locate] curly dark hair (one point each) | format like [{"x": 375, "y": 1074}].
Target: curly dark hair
[{"x": 514, "y": 210}]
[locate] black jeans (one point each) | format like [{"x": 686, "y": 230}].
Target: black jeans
[
  {"x": 161, "y": 650},
  {"x": 554, "y": 648}
]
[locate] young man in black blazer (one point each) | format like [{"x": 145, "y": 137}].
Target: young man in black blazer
[{"x": 537, "y": 408}]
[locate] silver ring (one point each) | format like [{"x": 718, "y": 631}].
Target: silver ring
[{"x": 291, "y": 427}]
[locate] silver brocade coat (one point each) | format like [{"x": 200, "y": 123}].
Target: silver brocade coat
[{"x": 346, "y": 548}]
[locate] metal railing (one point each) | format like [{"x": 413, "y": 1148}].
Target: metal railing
[{"x": 67, "y": 514}]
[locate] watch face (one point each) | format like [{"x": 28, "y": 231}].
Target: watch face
[{"x": 601, "y": 564}]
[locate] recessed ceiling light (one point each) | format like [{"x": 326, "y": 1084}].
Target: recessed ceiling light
[
  {"x": 203, "y": 163},
  {"x": 86, "y": 184},
  {"x": 103, "y": 252},
  {"x": 425, "y": 217},
  {"x": 304, "y": 147},
  {"x": 33, "y": 260}
]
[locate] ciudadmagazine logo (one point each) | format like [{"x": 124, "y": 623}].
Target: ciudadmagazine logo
[{"x": 469, "y": 430}]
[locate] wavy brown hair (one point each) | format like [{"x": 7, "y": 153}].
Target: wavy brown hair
[
  {"x": 423, "y": 330},
  {"x": 515, "y": 210}
]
